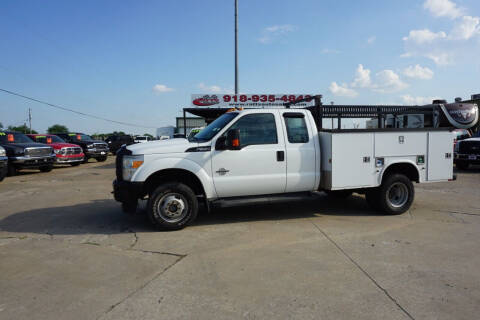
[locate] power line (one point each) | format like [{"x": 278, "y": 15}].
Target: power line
[{"x": 74, "y": 111}]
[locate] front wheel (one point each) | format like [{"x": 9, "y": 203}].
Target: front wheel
[
  {"x": 74, "y": 164},
  {"x": 11, "y": 170},
  {"x": 101, "y": 159},
  {"x": 172, "y": 206},
  {"x": 3, "y": 173},
  {"x": 396, "y": 194}
]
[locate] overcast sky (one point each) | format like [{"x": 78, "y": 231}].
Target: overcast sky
[{"x": 139, "y": 61}]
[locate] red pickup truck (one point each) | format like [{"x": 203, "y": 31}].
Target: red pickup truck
[{"x": 66, "y": 153}]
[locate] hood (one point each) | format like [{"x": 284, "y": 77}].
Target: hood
[
  {"x": 178, "y": 145},
  {"x": 60, "y": 145},
  {"x": 471, "y": 139},
  {"x": 25, "y": 145}
]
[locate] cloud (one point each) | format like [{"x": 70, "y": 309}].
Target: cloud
[
  {"x": 272, "y": 33},
  {"x": 362, "y": 78},
  {"x": 443, "y": 8},
  {"x": 466, "y": 28},
  {"x": 342, "y": 90},
  {"x": 388, "y": 81},
  {"x": 371, "y": 39},
  {"x": 213, "y": 88},
  {"x": 418, "y": 72},
  {"x": 330, "y": 51},
  {"x": 408, "y": 99},
  {"x": 424, "y": 36},
  {"x": 161, "y": 88}
]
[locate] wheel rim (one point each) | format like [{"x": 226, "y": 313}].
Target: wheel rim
[
  {"x": 172, "y": 207},
  {"x": 397, "y": 195}
]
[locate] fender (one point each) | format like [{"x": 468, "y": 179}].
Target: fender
[
  {"x": 399, "y": 161},
  {"x": 159, "y": 164}
]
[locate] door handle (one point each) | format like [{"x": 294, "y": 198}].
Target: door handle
[
  {"x": 222, "y": 171},
  {"x": 280, "y": 156}
]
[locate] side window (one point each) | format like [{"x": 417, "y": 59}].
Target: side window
[
  {"x": 257, "y": 128},
  {"x": 296, "y": 129}
]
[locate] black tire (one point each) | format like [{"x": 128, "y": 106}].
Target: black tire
[
  {"x": 75, "y": 164},
  {"x": 101, "y": 159},
  {"x": 11, "y": 170},
  {"x": 339, "y": 194},
  {"x": 176, "y": 195},
  {"x": 85, "y": 160},
  {"x": 46, "y": 168},
  {"x": 3, "y": 173},
  {"x": 396, "y": 194},
  {"x": 372, "y": 198},
  {"x": 462, "y": 165}
]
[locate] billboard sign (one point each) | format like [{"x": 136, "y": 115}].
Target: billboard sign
[{"x": 247, "y": 100}]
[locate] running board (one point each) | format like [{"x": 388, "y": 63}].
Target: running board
[{"x": 262, "y": 199}]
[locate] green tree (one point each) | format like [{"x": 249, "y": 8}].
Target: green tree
[
  {"x": 23, "y": 129},
  {"x": 57, "y": 128},
  {"x": 148, "y": 135}
]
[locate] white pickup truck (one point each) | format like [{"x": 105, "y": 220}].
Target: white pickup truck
[{"x": 263, "y": 155}]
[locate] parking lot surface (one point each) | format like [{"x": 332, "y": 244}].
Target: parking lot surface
[{"x": 67, "y": 251}]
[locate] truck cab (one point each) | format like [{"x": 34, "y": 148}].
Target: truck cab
[
  {"x": 23, "y": 153},
  {"x": 265, "y": 155}
]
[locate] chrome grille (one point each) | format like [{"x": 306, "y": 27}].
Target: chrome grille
[
  {"x": 100, "y": 146},
  {"x": 38, "y": 152},
  {"x": 72, "y": 150}
]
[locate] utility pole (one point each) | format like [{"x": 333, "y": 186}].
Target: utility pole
[
  {"x": 30, "y": 119},
  {"x": 236, "y": 46}
]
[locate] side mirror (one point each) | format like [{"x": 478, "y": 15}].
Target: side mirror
[
  {"x": 233, "y": 139},
  {"x": 220, "y": 144}
]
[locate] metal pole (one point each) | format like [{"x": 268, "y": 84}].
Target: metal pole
[
  {"x": 236, "y": 46},
  {"x": 30, "y": 119}
]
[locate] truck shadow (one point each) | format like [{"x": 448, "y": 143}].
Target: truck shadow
[{"x": 106, "y": 216}]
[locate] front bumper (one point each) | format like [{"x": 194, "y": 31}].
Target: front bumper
[
  {"x": 61, "y": 160},
  {"x": 32, "y": 161},
  {"x": 94, "y": 153},
  {"x": 126, "y": 191},
  {"x": 470, "y": 158}
]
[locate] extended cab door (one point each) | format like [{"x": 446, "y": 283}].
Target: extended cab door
[
  {"x": 300, "y": 152},
  {"x": 259, "y": 167}
]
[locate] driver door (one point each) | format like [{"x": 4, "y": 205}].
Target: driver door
[{"x": 259, "y": 167}]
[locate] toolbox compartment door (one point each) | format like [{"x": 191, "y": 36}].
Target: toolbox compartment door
[{"x": 440, "y": 156}]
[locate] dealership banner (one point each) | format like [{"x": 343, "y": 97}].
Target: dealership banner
[{"x": 247, "y": 100}]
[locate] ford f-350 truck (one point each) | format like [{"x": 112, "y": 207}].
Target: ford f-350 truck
[{"x": 260, "y": 155}]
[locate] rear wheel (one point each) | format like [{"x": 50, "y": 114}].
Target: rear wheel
[
  {"x": 396, "y": 194},
  {"x": 46, "y": 168},
  {"x": 462, "y": 165},
  {"x": 172, "y": 206}
]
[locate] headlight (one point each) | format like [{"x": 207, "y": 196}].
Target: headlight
[
  {"x": 130, "y": 165},
  {"x": 59, "y": 151},
  {"x": 19, "y": 152},
  {"x": 2, "y": 152},
  {"x": 89, "y": 146}
]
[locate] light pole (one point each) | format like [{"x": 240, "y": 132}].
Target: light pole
[{"x": 236, "y": 46}]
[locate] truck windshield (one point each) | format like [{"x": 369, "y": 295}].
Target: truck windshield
[
  {"x": 49, "y": 139},
  {"x": 213, "y": 128},
  {"x": 80, "y": 137},
  {"x": 14, "y": 137}
]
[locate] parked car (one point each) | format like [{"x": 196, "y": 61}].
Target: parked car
[
  {"x": 96, "y": 149},
  {"x": 467, "y": 152},
  {"x": 142, "y": 139},
  {"x": 115, "y": 142},
  {"x": 23, "y": 153},
  {"x": 3, "y": 163},
  {"x": 66, "y": 153}
]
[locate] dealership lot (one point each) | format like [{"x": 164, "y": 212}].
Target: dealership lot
[{"x": 67, "y": 251}]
